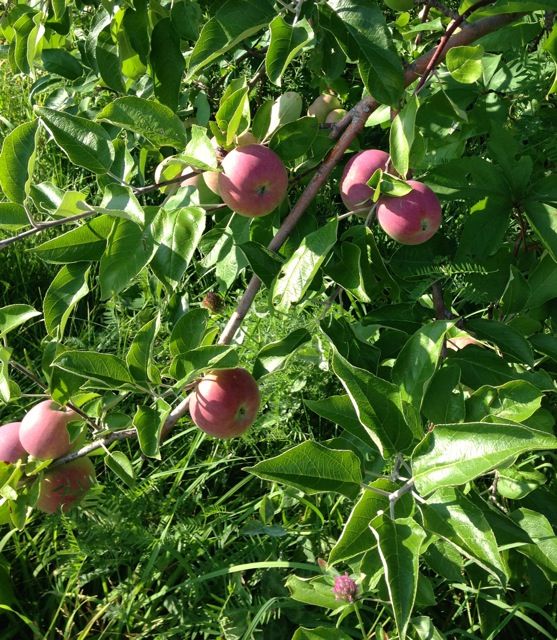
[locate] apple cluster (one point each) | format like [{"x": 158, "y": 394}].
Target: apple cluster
[
  {"x": 409, "y": 219},
  {"x": 43, "y": 434}
]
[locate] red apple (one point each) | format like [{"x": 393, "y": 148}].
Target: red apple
[
  {"x": 354, "y": 190},
  {"x": 253, "y": 181},
  {"x": 11, "y": 449},
  {"x": 43, "y": 432},
  {"x": 64, "y": 486},
  {"x": 412, "y": 218},
  {"x": 323, "y": 105},
  {"x": 225, "y": 402}
]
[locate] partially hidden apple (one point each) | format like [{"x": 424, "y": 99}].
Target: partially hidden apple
[
  {"x": 43, "y": 432},
  {"x": 410, "y": 219},
  {"x": 65, "y": 486},
  {"x": 323, "y": 105},
  {"x": 354, "y": 190},
  {"x": 11, "y": 449},
  {"x": 253, "y": 181},
  {"x": 225, "y": 402}
]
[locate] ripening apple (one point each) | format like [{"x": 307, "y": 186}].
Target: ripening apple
[
  {"x": 354, "y": 191},
  {"x": 410, "y": 219},
  {"x": 253, "y": 181},
  {"x": 224, "y": 403},
  {"x": 65, "y": 486},
  {"x": 211, "y": 180},
  {"x": 43, "y": 432},
  {"x": 323, "y": 105},
  {"x": 244, "y": 138},
  {"x": 11, "y": 449},
  {"x": 336, "y": 115}
]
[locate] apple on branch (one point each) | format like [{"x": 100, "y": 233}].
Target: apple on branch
[
  {"x": 225, "y": 402},
  {"x": 11, "y": 449},
  {"x": 43, "y": 432},
  {"x": 253, "y": 181},
  {"x": 412, "y": 218},
  {"x": 323, "y": 105},
  {"x": 64, "y": 486},
  {"x": 354, "y": 190}
]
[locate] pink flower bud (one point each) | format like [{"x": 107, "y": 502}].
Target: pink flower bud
[{"x": 345, "y": 588}]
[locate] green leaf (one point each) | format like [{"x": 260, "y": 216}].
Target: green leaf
[
  {"x": 85, "y": 243},
  {"x": 454, "y": 454},
  {"x": 185, "y": 366},
  {"x": 108, "y": 61},
  {"x": 120, "y": 464},
  {"x": 199, "y": 151},
  {"x": 17, "y": 160},
  {"x": 176, "y": 235},
  {"x": 418, "y": 359},
  {"x": 511, "y": 342},
  {"x": 516, "y": 400},
  {"x": 516, "y": 293},
  {"x": 286, "y": 41},
  {"x": 128, "y": 250},
  {"x": 543, "y": 551},
  {"x": 275, "y": 355},
  {"x": 65, "y": 291},
  {"x": 14, "y": 315},
  {"x": 370, "y": 44},
  {"x": 140, "y": 354},
  {"x": 286, "y": 108},
  {"x": 154, "y": 121},
  {"x": 320, "y": 633},
  {"x": 377, "y": 404},
  {"x": 451, "y": 516},
  {"x": 264, "y": 263},
  {"x": 85, "y": 143},
  {"x": 516, "y": 483},
  {"x": 233, "y": 114},
  {"x": 313, "y": 468},
  {"x": 188, "y": 331},
  {"x": 294, "y": 139},
  {"x": 234, "y": 21},
  {"x": 12, "y": 216},
  {"x": 465, "y": 63},
  {"x": 104, "y": 368},
  {"x": 543, "y": 282},
  {"x": 298, "y": 272},
  {"x": 542, "y": 217},
  {"x": 401, "y": 136},
  {"x": 62, "y": 63},
  {"x": 120, "y": 202},
  {"x": 167, "y": 62},
  {"x": 5, "y": 382},
  {"x": 399, "y": 544},
  {"x": 148, "y": 422},
  {"x": 316, "y": 591},
  {"x": 441, "y": 404},
  {"x": 356, "y": 537}
]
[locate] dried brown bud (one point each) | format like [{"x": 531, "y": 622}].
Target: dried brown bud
[{"x": 213, "y": 302}]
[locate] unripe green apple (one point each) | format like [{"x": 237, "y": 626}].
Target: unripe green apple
[
  {"x": 65, "y": 486},
  {"x": 43, "y": 432},
  {"x": 323, "y": 105},
  {"x": 11, "y": 449},
  {"x": 336, "y": 115},
  {"x": 354, "y": 191},
  {"x": 399, "y": 5},
  {"x": 244, "y": 138},
  {"x": 225, "y": 402},
  {"x": 253, "y": 181},
  {"x": 410, "y": 219}
]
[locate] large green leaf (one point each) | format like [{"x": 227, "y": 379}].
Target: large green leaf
[
  {"x": 65, "y": 291},
  {"x": 542, "y": 217},
  {"x": 17, "y": 160},
  {"x": 85, "y": 243},
  {"x": 149, "y": 422},
  {"x": 275, "y": 355},
  {"x": 293, "y": 139},
  {"x": 513, "y": 344},
  {"x": 104, "y": 368},
  {"x": 451, "y": 516},
  {"x": 401, "y": 136},
  {"x": 154, "y": 121},
  {"x": 14, "y": 315},
  {"x": 188, "y": 331},
  {"x": 465, "y": 63},
  {"x": 418, "y": 360},
  {"x": 233, "y": 21},
  {"x": 399, "y": 543},
  {"x": 370, "y": 43},
  {"x": 140, "y": 354},
  {"x": 176, "y": 235},
  {"x": 516, "y": 400},
  {"x": 167, "y": 62},
  {"x": 313, "y": 468},
  {"x": 378, "y": 406},
  {"x": 86, "y": 143},
  {"x": 543, "y": 550},
  {"x": 128, "y": 250},
  {"x": 286, "y": 41},
  {"x": 298, "y": 272},
  {"x": 12, "y": 216},
  {"x": 454, "y": 454},
  {"x": 320, "y": 633}
]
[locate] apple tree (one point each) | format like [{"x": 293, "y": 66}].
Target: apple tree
[{"x": 216, "y": 145}]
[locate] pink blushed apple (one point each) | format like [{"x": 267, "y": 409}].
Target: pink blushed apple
[
  {"x": 354, "y": 191},
  {"x": 11, "y": 449},
  {"x": 225, "y": 402},
  {"x": 65, "y": 485},
  {"x": 43, "y": 432},
  {"x": 253, "y": 181},
  {"x": 410, "y": 219}
]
